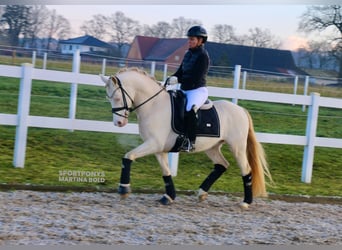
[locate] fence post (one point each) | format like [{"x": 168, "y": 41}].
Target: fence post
[
  {"x": 295, "y": 85},
  {"x": 309, "y": 148},
  {"x": 34, "y": 56},
  {"x": 73, "y": 92},
  {"x": 22, "y": 114},
  {"x": 306, "y": 86},
  {"x": 104, "y": 61},
  {"x": 153, "y": 68},
  {"x": 173, "y": 163},
  {"x": 44, "y": 60},
  {"x": 244, "y": 79},
  {"x": 237, "y": 72},
  {"x": 165, "y": 72}
]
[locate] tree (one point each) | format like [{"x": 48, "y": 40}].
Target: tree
[
  {"x": 262, "y": 38},
  {"x": 37, "y": 23},
  {"x": 224, "y": 34},
  {"x": 122, "y": 28},
  {"x": 321, "y": 18},
  {"x": 96, "y": 27},
  {"x": 57, "y": 27},
  {"x": 3, "y": 32},
  {"x": 15, "y": 20},
  {"x": 316, "y": 56},
  {"x": 161, "y": 30},
  {"x": 181, "y": 26}
]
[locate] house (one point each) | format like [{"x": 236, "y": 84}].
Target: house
[
  {"x": 86, "y": 44},
  {"x": 172, "y": 50}
]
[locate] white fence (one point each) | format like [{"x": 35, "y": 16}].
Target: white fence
[{"x": 22, "y": 120}]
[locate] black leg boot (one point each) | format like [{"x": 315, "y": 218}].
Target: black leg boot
[
  {"x": 190, "y": 127},
  {"x": 124, "y": 187},
  {"x": 247, "y": 187},
  {"x": 170, "y": 194}
]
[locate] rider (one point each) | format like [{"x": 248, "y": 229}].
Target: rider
[{"x": 191, "y": 75}]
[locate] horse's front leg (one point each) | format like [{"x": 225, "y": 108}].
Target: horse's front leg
[
  {"x": 147, "y": 148},
  {"x": 170, "y": 192},
  {"x": 125, "y": 187}
]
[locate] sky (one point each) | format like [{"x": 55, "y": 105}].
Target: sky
[{"x": 281, "y": 19}]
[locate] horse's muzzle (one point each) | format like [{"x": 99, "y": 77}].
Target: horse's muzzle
[{"x": 120, "y": 122}]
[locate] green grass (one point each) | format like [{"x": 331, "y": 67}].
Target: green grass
[{"x": 50, "y": 151}]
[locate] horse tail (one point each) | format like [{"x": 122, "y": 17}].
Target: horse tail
[{"x": 257, "y": 161}]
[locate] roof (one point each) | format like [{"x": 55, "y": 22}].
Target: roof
[
  {"x": 146, "y": 43},
  {"x": 250, "y": 58},
  {"x": 164, "y": 48},
  {"x": 86, "y": 40}
]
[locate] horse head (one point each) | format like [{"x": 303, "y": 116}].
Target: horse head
[
  {"x": 129, "y": 90},
  {"x": 119, "y": 100}
]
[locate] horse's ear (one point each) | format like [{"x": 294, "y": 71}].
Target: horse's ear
[{"x": 113, "y": 78}]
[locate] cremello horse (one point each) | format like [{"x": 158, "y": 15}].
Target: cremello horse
[{"x": 133, "y": 90}]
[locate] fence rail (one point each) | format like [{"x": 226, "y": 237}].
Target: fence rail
[{"x": 22, "y": 120}]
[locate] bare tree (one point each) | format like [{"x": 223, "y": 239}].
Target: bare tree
[
  {"x": 161, "y": 30},
  {"x": 243, "y": 40},
  {"x": 316, "y": 56},
  {"x": 96, "y": 27},
  {"x": 122, "y": 29},
  {"x": 262, "y": 38},
  {"x": 58, "y": 27},
  {"x": 181, "y": 25},
  {"x": 321, "y": 53},
  {"x": 223, "y": 33},
  {"x": 320, "y": 18},
  {"x": 37, "y": 23}
]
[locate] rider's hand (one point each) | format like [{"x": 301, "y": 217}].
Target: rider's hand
[{"x": 171, "y": 80}]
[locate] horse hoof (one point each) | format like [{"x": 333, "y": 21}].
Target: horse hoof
[
  {"x": 244, "y": 205},
  {"x": 202, "y": 195},
  {"x": 124, "y": 191},
  {"x": 166, "y": 200},
  {"x": 124, "y": 196}
]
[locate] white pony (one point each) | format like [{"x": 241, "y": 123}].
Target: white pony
[{"x": 133, "y": 90}]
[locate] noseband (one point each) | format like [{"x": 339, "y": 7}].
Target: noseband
[{"x": 124, "y": 99}]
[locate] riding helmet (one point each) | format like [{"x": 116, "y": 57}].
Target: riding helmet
[{"x": 198, "y": 31}]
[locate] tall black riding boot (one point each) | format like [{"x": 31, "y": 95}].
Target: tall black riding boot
[{"x": 190, "y": 127}]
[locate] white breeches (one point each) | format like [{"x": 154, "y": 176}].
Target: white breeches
[{"x": 196, "y": 97}]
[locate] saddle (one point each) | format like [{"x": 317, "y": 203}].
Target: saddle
[{"x": 208, "y": 121}]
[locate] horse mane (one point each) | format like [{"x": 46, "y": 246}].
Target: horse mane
[{"x": 140, "y": 71}]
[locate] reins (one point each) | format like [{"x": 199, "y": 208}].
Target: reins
[{"x": 124, "y": 94}]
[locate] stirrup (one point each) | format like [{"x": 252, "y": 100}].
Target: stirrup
[{"x": 187, "y": 146}]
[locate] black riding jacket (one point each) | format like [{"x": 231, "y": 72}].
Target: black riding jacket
[{"x": 193, "y": 71}]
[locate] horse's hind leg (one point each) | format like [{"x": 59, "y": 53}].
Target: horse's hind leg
[
  {"x": 220, "y": 166},
  {"x": 239, "y": 152}
]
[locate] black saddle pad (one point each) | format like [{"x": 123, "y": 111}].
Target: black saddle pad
[{"x": 208, "y": 120}]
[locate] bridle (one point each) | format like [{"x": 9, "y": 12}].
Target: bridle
[{"x": 124, "y": 99}]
